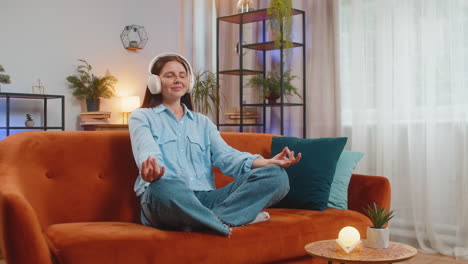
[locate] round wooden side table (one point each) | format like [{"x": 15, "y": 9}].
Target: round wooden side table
[{"x": 330, "y": 251}]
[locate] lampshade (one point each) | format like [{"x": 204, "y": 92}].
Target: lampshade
[
  {"x": 348, "y": 238},
  {"x": 130, "y": 103}
]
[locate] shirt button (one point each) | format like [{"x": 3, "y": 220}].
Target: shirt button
[{"x": 181, "y": 122}]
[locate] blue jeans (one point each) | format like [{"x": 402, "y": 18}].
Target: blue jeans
[{"x": 171, "y": 205}]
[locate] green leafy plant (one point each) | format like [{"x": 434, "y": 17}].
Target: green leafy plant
[
  {"x": 280, "y": 14},
  {"x": 204, "y": 94},
  {"x": 378, "y": 216},
  {"x": 271, "y": 85},
  {"x": 29, "y": 118},
  {"x": 3, "y": 77},
  {"x": 87, "y": 85}
]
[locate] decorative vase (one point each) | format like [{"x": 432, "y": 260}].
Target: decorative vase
[
  {"x": 92, "y": 104},
  {"x": 378, "y": 237},
  {"x": 244, "y": 6},
  {"x": 29, "y": 123}
]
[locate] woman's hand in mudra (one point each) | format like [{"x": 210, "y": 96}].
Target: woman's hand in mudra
[
  {"x": 150, "y": 170},
  {"x": 285, "y": 158}
]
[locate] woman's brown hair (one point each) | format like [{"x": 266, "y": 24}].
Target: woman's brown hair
[{"x": 153, "y": 100}]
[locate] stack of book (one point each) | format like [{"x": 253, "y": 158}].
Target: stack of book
[
  {"x": 232, "y": 116},
  {"x": 93, "y": 118}
]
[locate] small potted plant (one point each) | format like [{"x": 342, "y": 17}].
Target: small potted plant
[
  {"x": 271, "y": 85},
  {"x": 29, "y": 121},
  {"x": 86, "y": 85},
  {"x": 3, "y": 77},
  {"x": 378, "y": 234}
]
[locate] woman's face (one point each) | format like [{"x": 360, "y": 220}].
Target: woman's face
[{"x": 174, "y": 80}]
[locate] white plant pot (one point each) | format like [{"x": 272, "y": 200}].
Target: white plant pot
[
  {"x": 29, "y": 123},
  {"x": 378, "y": 237}
]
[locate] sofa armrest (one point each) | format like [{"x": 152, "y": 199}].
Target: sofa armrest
[
  {"x": 22, "y": 241},
  {"x": 365, "y": 189}
]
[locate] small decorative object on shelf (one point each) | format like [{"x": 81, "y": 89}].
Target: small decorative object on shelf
[
  {"x": 378, "y": 235},
  {"x": 244, "y": 6},
  {"x": 86, "y": 85},
  {"x": 4, "y": 78},
  {"x": 39, "y": 88},
  {"x": 134, "y": 37},
  {"x": 349, "y": 239},
  {"x": 29, "y": 121}
]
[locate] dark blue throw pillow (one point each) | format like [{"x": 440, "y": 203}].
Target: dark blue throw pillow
[{"x": 311, "y": 178}]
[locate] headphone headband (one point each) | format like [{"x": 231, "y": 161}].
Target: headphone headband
[{"x": 162, "y": 55}]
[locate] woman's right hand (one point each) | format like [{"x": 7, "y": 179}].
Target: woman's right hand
[{"x": 150, "y": 170}]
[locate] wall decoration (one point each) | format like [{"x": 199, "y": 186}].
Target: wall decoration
[
  {"x": 39, "y": 88},
  {"x": 134, "y": 37}
]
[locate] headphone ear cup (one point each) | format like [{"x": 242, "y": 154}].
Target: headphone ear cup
[
  {"x": 154, "y": 84},
  {"x": 191, "y": 83}
]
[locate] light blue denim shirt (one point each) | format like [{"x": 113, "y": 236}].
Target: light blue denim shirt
[{"x": 188, "y": 147}]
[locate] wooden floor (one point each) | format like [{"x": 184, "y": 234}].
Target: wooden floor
[{"x": 420, "y": 258}]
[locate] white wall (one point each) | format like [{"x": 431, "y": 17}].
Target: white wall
[{"x": 43, "y": 39}]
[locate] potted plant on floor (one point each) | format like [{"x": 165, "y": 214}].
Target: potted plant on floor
[
  {"x": 3, "y": 77},
  {"x": 86, "y": 85},
  {"x": 378, "y": 234},
  {"x": 204, "y": 94},
  {"x": 271, "y": 85}
]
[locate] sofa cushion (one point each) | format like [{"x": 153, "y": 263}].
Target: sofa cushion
[
  {"x": 282, "y": 237},
  {"x": 311, "y": 178},
  {"x": 344, "y": 169}
]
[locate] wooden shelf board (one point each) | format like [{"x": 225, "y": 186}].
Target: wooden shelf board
[
  {"x": 252, "y": 16},
  {"x": 267, "y": 46},
  {"x": 238, "y": 72}
]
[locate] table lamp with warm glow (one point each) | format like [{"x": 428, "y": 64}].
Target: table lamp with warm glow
[
  {"x": 348, "y": 238},
  {"x": 129, "y": 103}
]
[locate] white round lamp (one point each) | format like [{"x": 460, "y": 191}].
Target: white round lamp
[{"x": 348, "y": 238}]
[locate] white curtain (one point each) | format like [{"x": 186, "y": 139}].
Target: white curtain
[
  {"x": 404, "y": 80},
  {"x": 197, "y": 33}
]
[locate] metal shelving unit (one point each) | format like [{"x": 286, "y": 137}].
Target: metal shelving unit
[
  {"x": 265, "y": 46},
  {"x": 44, "y": 97}
]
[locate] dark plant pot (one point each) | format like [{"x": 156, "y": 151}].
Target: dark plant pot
[
  {"x": 272, "y": 98},
  {"x": 92, "y": 104}
]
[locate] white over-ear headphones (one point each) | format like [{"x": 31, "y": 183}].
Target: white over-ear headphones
[{"x": 154, "y": 83}]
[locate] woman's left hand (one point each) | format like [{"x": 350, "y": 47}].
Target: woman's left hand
[{"x": 285, "y": 158}]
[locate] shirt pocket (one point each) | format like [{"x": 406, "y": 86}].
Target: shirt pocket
[
  {"x": 200, "y": 155},
  {"x": 167, "y": 142}
]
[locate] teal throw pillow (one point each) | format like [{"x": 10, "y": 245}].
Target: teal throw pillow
[
  {"x": 344, "y": 169},
  {"x": 310, "y": 179}
]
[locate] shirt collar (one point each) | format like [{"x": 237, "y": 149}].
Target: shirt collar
[{"x": 160, "y": 108}]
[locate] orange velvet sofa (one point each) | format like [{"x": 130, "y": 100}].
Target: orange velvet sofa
[{"x": 67, "y": 197}]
